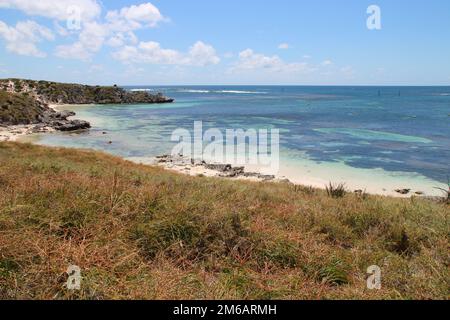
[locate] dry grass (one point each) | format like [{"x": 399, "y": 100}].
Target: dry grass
[{"x": 142, "y": 233}]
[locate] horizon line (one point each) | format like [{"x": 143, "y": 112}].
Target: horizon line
[
  {"x": 285, "y": 85},
  {"x": 239, "y": 85}
]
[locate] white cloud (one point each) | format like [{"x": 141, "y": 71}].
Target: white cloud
[
  {"x": 90, "y": 41},
  {"x": 307, "y": 56},
  {"x": 127, "y": 54},
  {"x": 327, "y": 63},
  {"x": 249, "y": 60},
  {"x": 200, "y": 54},
  {"x": 134, "y": 17},
  {"x": 284, "y": 46},
  {"x": 73, "y": 51},
  {"x": 93, "y": 36},
  {"x": 22, "y": 38},
  {"x": 58, "y": 10},
  {"x": 151, "y": 52},
  {"x": 117, "y": 31},
  {"x": 122, "y": 38}
]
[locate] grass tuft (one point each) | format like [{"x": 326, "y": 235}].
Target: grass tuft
[
  {"x": 336, "y": 191},
  {"x": 335, "y": 273}
]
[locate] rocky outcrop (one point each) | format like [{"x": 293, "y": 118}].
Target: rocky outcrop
[
  {"x": 221, "y": 170},
  {"x": 20, "y": 108},
  {"x": 24, "y": 109},
  {"x": 60, "y": 122},
  {"x": 26, "y": 102},
  {"x": 64, "y": 93},
  {"x": 403, "y": 191}
]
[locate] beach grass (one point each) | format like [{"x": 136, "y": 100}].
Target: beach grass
[{"x": 140, "y": 232}]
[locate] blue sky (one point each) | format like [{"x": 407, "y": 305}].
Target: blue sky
[{"x": 164, "y": 42}]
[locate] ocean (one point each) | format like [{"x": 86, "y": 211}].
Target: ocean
[{"x": 373, "y": 138}]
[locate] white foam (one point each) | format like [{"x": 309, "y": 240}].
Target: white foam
[
  {"x": 222, "y": 91},
  {"x": 195, "y": 91},
  {"x": 240, "y": 92},
  {"x": 141, "y": 90}
]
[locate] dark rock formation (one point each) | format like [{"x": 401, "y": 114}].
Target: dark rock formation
[
  {"x": 73, "y": 125},
  {"x": 403, "y": 191},
  {"x": 23, "y": 109},
  {"x": 218, "y": 167},
  {"x": 59, "y": 121},
  {"x": 223, "y": 170}
]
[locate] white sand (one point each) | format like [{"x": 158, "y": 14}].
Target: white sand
[
  {"x": 69, "y": 107},
  {"x": 15, "y": 133},
  {"x": 373, "y": 181},
  {"x": 310, "y": 173},
  {"x": 302, "y": 172}
]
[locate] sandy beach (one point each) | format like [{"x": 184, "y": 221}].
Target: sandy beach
[
  {"x": 310, "y": 174},
  {"x": 15, "y": 133},
  {"x": 300, "y": 172}
]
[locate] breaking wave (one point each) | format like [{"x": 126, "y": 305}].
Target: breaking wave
[{"x": 223, "y": 91}]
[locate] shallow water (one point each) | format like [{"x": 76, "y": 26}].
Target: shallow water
[{"x": 399, "y": 133}]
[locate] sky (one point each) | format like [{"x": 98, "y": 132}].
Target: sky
[{"x": 245, "y": 42}]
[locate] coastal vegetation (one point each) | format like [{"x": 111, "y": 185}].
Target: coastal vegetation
[
  {"x": 140, "y": 232},
  {"x": 26, "y": 110},
  {"x": 19, "y": 108},
  {"x": 68, "y": 93}
]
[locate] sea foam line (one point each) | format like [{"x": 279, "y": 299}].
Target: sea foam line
[{"x": 223, "y": 91}]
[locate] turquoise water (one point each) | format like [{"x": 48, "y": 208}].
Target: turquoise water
[{"x": 396, "y": 129}]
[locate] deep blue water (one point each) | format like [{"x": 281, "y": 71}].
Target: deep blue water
[{"x": 398, "y": 129}]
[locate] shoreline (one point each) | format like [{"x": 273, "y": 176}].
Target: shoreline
[
  {"x": 62, "y": 107},
  {"x": 187, "y": 166},
  {"x": 307, "y": 174},
  {"x": 15, "y": 132}
]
